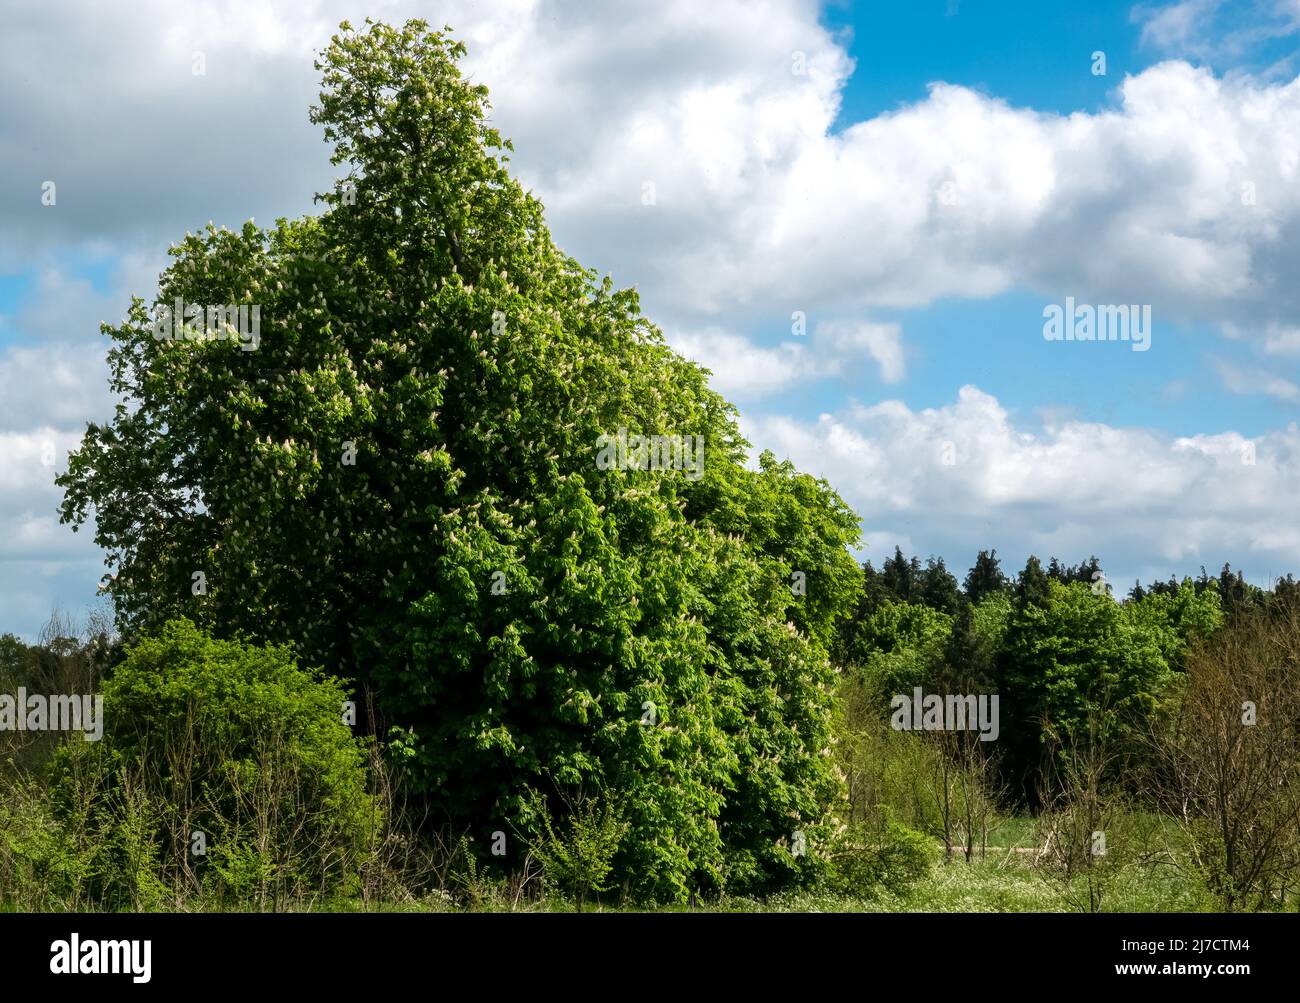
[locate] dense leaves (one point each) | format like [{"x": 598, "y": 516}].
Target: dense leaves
[
  {"x": 402, "y": 481},
  {"x": 1069, "y": 663}
]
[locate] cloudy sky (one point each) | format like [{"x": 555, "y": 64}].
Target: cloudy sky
[{"x": 859, "y": 216}]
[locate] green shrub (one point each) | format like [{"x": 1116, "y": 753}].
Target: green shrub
[
  {"x": 224, "y": 768},
  {"x": 864, "y": 859},
  {"x": 45, "y": 861},
  {"x": 579, "y": 859}
]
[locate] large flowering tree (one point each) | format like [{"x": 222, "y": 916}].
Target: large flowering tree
[{"x": 402, "y": 481}]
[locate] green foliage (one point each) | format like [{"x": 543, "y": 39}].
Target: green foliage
[
  {"x": 513, "y": 607},
  {"x": 867, "y": 859},
  {"x": 1058, "y": 650},
  {"x": 1232, "y": 757},
  {"x": 59, "y": 663},
  {"x": 1175, "y": 621},
  {"x": 903, "y": 857},
  {"x": 1073, "y": 665},
  {"x": 991, "y": 616},
  {"x": 232, "y": 741},
  {"x": 579, "y": 859},
  {"x": 469, "y": 884},
  {"x": 42, "y": 866},
  {"x": 899, "y": 646},
  {"x": 905, "y": 625},
  {"x": 970, "y": 655},
  {"x": 985, "y": 577},
  {"x": 12, "y": 655},
  {"x": 886, "y": 772}
]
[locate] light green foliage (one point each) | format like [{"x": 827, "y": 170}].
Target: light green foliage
[
  {"x": 232, "y": 741},
  {"x": 887, "y": 773},
  {"x": 899, "y": 646},
  {"x": 866, "y": 859},
  {"x": 579, "y": 859},
  {"x": 43, "y": 865},
  {"x": 472, "y": 886},
  {"x": 991, "y": 616},
  {"x": 1173, "y": 622}
]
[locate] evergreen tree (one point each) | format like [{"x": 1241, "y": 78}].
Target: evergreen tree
[
  {"x": 1032, "y": 586},
  {"x": 985, "y": 578},
  {"x": 939, "y": 588},
  {"x": 900, "y": 576},
  {"x": 970, "y": 657}
]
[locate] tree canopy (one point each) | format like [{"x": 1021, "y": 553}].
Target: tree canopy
[{"x": 402, "y": 482}]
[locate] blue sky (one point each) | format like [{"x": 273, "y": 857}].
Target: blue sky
[
  {"x": 1031, "y": 54},
  {"x": 937, "y": 175},
  {"x": 1025, "y": 53}
]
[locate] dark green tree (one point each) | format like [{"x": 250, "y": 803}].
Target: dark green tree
[
  {"x": 1074, "y": 667},
  {"x": 938, "y": 588},
  {"x": 1032, "y": 586},
  {"x": 900, "y": 577},
  {"x": 13, "y": 652},
  {"x": 970, "y": 657},
  {"x": 985, "y": 578}
]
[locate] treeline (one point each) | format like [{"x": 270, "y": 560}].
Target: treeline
[
  {"x": 1163, "y": 729},
  {"x": 1144, "y": 737},
  {"x": 904, "y": 579},
  {"x": 1066, "y": 657}
]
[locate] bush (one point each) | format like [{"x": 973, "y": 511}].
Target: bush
[
  {"x": 224, "y": 768},
  {"x": 43, "y": 865},
  {"x": 578, "y": 860},
  {"x": 864, "y": 859}
]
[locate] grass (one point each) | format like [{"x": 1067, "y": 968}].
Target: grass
[
  {"x": 1012, "y": 830},
  {"x": 1003, "y": 881}
]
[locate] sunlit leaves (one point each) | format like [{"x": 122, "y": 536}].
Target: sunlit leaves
[{"x": 420, "y": 422}]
